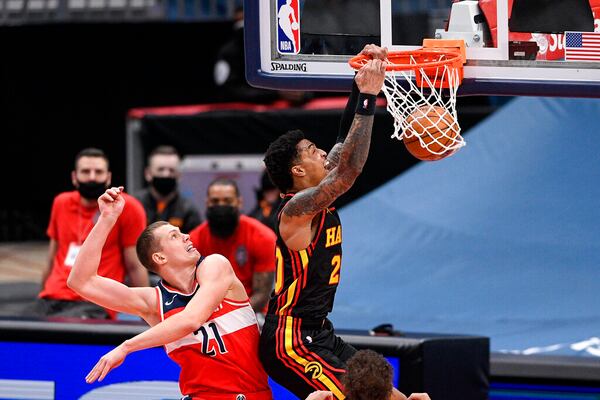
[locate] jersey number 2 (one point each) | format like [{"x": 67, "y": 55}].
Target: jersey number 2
[{"x": 336, "y": 262}]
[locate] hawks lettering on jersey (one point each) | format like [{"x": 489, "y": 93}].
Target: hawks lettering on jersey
[
  {"x": 334, "y": 236},
  {"x": 306, "y": 280}
]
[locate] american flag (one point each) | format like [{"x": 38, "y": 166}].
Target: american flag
[{"x": 582, "y": 46}]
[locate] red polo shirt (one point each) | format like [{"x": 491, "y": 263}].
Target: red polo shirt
[{"x": 71, "y": 223}]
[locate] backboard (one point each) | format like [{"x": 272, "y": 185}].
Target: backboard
[{"x": 514, "y": 47}]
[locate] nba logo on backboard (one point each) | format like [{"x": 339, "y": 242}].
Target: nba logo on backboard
[{"x": 288, "y": 27}]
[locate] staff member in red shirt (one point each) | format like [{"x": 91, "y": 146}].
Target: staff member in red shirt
[
  {"x": 73, "y": 216},
  {"x": 247, "y": 243}
]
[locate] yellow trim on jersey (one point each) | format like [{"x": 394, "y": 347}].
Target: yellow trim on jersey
[
  {"x": 290, "y": 296},
  {"x": 304, "y": 258},
  {"x": 289, "y": 349},
  {"x": 291, "y": 291}
]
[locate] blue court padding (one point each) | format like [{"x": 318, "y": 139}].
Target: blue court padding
[{"x": 501, "y": 239}]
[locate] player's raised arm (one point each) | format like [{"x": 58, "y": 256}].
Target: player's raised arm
[
  {"x": 84, "y": 278},
  {"x": 352, "y": 154},
  {"x": 333, "y": 158},
  {"x": 215, "y": 277}
]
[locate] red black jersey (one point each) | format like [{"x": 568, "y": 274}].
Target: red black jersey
[
  {"x": 306, "y": 280},
  {"x": 219, "y": 360}
]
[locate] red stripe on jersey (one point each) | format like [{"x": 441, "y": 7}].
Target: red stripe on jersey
[
  {"x": 299, "y": 264},
  {"x": 295, "y": 272},
  {"x": 298, "y": 287},
  {"x": 321, "y": 225},
  {"x": 283, "y": 297},
  {"x": 221, "y": 356},
  {"x": 173, "y": 312},
  {"x": 315, "y": 357},
  {"x": 305, "y": 276},
  {"x": 283, "y": 355},
  {"x": 280, "y": 300},
  {"x": 237, "y": 302},
  {"x": 298, "y": 344},
  {"x": 280, "y": 346},
  {"x": 227, "y": 306}
]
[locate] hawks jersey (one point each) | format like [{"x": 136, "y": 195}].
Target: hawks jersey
[
  {"x": 221, "y": 355},
  {"x": 306, "y": 280}
]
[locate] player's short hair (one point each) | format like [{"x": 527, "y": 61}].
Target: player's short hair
[
  {"x": 368, "y": 377},
  {"x": 281, "y": 156},
  {"x": 91, "y": 152},
  {"x": 224, "y": 182},
  {"x": 148, "y": 244},
  {"x": 163, "y": 150}
]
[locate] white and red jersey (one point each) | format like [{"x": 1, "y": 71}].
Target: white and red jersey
[{"x": 220, "y": 359}]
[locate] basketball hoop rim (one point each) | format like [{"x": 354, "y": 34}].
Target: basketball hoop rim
[{"x": 454, "y": 60}]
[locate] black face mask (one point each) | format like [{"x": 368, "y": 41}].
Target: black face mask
[
  {"x": 164, "y": 185},
  {"x": 222, "y": 220},
  {"x": 91, "y": 190}
]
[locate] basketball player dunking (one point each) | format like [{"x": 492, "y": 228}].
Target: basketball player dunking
[
  {"x": 298, "y": 347},
  {"x": 200, "y": 311}
]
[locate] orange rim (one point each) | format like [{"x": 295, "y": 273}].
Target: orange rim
[{"x": 412, "y": 60}]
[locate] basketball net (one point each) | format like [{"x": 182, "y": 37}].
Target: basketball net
[{"x": 428, "y": 103}]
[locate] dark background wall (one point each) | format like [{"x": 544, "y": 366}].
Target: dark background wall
[{"x": 66, "y": 87}]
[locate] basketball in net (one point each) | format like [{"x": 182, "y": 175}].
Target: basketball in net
[
  {"x": 431, "y": 133},
  {"x": 420, "y": 88}
]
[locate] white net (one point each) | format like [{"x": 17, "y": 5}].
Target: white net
[{"x": 424, "y": 111}]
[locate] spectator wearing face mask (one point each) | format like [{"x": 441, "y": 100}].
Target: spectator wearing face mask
[
  {"x": 161, "y": 199},
  {"x": 73, "y": 216},
  {"x": 248, "y": 244}
]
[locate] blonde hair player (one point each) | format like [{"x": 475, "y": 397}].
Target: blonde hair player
[{"x": 200, "y": 311}]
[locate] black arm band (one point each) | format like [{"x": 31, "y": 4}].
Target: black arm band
[
  {"x": 348, "y": 115},
  {"x": 366, "y": 104}
]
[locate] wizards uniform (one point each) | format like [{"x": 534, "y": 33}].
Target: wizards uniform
[
  {"x": 219, "y": 360},
  {"x": 298, "y": 347}
]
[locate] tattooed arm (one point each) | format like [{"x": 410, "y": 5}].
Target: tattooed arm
[
  {"x": 333, "y": 158},
  {"x": 296, "y": 221}
]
